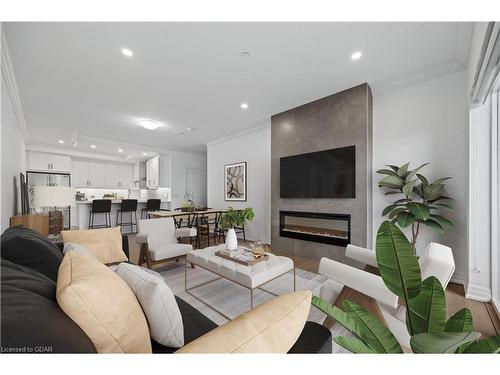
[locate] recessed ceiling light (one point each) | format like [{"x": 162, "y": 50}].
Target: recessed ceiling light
[
  {"x": 244, "y": 106},
  {"x": 356, "y": 55},
  {"x": 144, "y": 154},
  {"x": 93, "y": 146},
  {"x": 60, "y": 141},
  {"x": 120, "y": 150},
  {"x": 149, "y": 124},
  {"x": 127, "y": 52}
]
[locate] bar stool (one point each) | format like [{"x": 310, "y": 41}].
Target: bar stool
[
  {"x": 128, "y": 205},
  {"x": 100, "y": 206},
  {"x": 151, "y": 205}
]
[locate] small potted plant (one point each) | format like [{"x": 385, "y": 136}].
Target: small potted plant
[{"x": 234, "y": 218}]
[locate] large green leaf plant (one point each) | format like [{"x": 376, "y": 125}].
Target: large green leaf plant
[
  {"x": 419, "y": 203},
  {"x": 425, "y": 303}
]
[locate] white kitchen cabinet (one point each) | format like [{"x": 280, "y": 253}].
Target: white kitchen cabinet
[
  {"x": 112, "y": 175},
  {"x": 88, "y": 174},
  {"x": 153, "y": 172},
  {"x": 42, "y": 161},
  {"x": 126, "y": 176},
  {"x": 80, "y": 174},
  {"x": 97, "y": 174}
]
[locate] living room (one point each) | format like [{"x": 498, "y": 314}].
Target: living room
[{"x": 250, "y": 187}]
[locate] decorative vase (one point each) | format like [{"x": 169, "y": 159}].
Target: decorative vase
[{"x": 231, "y": 240}]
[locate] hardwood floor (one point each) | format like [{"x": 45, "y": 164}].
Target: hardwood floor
[{"x": 486, "y": 319}]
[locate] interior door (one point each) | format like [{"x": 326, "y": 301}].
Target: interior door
[{"x": 196, "y": 185}]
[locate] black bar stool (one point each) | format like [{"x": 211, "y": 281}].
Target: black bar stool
[
  {"x": 128, "y": 205},
  {"x": 151, "y": 205},
  {"x": 100, "y": 206}
]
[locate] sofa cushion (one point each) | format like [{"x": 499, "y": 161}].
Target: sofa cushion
[
  {"x": 157, "y": 302},
  {"x": 195, "y": 325},
  {"x": 169, "y": 251},
  {"x": 102, "y": 305},
  {"x": 105, "y": 244},
  {"x": 31, "y": 249},
  {"x": 272, "y": 327},
  {"x": 32, "y": 321},
  {"x": 314, "y": 338}
]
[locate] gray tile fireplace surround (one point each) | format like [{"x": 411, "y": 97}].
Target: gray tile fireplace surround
[{"x": 338, "y": 120}]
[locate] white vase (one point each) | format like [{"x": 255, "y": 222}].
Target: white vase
[{"x": 231, "y": 240}]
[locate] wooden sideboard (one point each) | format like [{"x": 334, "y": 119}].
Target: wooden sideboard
[{"x": 38, "y": 222}]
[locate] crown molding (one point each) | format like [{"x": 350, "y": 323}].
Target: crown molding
[
  {"x": 428, "y": 75},
  {"x": 254, "y": 129},
  {"x": 11, "y": 83}
]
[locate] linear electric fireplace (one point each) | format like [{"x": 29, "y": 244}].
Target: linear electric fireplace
[{"x": 334, "y": 229}]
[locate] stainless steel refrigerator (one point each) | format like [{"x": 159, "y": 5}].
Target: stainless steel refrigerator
[{"x": 49, "y": 179}]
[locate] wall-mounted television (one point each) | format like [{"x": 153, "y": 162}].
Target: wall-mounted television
[{"x": 322, "y": 174}]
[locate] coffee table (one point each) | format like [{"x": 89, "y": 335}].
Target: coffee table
[{"x": 250, "y": 277}]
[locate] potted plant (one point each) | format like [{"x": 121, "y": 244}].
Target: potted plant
[
  {"x": 231, "y": 219},
  {"x": 425, "y": 303},
  {"x": 422, "y": 200}
]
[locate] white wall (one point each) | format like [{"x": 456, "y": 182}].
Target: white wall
[
  {"x": 427, "y": 122},
  {"x": 255, "y": 149},
  {"x": 13, "y": 158},
  {"x": 179, "y": 163}
]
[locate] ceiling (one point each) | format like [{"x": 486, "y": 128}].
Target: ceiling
[{"x": 73, "y": 76}]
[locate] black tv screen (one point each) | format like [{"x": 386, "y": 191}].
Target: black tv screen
[{"x": 322, "y": 174}]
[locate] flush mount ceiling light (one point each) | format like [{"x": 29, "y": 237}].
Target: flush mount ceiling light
[
  {"x": 356, "y": 55},
  {"x": 149, "y": 124},
  {"x": 120, "y": 150},
  {"x": 60, "y": 141},
  {"x": 127, "y": 52},
  {"x": 93, "y": 146},
  {"x": 244, "y": 106}
]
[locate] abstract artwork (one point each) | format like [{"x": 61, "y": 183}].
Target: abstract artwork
[{"x": 235, "y": 182}]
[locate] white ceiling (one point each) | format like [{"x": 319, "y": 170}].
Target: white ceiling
[{"x": 72, "y": 76}]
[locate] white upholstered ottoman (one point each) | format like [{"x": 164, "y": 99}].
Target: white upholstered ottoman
[{"x": 250, "y": 277}]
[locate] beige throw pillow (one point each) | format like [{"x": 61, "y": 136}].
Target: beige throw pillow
[
  {"x": 272, "y": 327},
  {"x": 105, "y": 244},
  {"x": 102, "y": 304}
]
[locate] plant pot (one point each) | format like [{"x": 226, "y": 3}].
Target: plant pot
[{"x": 231, "y": 240}]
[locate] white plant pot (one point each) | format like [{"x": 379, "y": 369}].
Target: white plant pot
[{"x": 231, "y": 240}]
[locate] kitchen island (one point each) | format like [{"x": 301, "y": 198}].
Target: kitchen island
[{"x": 80, "y": 218}]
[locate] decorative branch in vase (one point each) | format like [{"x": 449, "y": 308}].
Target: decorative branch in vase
[
  {"x": 422, "y": 202},
  {"x": 232, "y": 219}
]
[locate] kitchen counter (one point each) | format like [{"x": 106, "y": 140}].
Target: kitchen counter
[
  {"x": 115, "y": 201},
  {"x": 80, "y": 216}
]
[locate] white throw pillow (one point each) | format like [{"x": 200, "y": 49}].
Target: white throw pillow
[
  {"x": 158, "y": 303},
  {"x": 71, "y": 246}
]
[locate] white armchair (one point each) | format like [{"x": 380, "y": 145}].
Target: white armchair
[
  {"x": 159, "y": 243},
  {"x": 439, "y": 262}
]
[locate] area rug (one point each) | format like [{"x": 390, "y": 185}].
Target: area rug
[{"x": 233, "y": 300}]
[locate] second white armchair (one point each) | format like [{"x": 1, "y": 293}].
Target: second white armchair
[{"x": 159, "y": 242}]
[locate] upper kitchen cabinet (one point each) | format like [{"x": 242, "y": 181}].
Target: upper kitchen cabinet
[
  {"x": 42, "y": 161},
  {"x": 158, "y": 172},
  {"x": 119, "y": 175},
  {"x": 88, "y": 174}
]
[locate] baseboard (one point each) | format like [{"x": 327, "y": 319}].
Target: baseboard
[
  {"x": 496, "y": 306},
  {"x": 458, "y": 278},
  {"x": 478, "y": 293}
]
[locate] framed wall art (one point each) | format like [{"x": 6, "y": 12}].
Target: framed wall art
[{"x": 235, "y": 182}]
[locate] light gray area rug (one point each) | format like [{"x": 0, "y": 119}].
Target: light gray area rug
[{"x": 233, "y": 300}]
